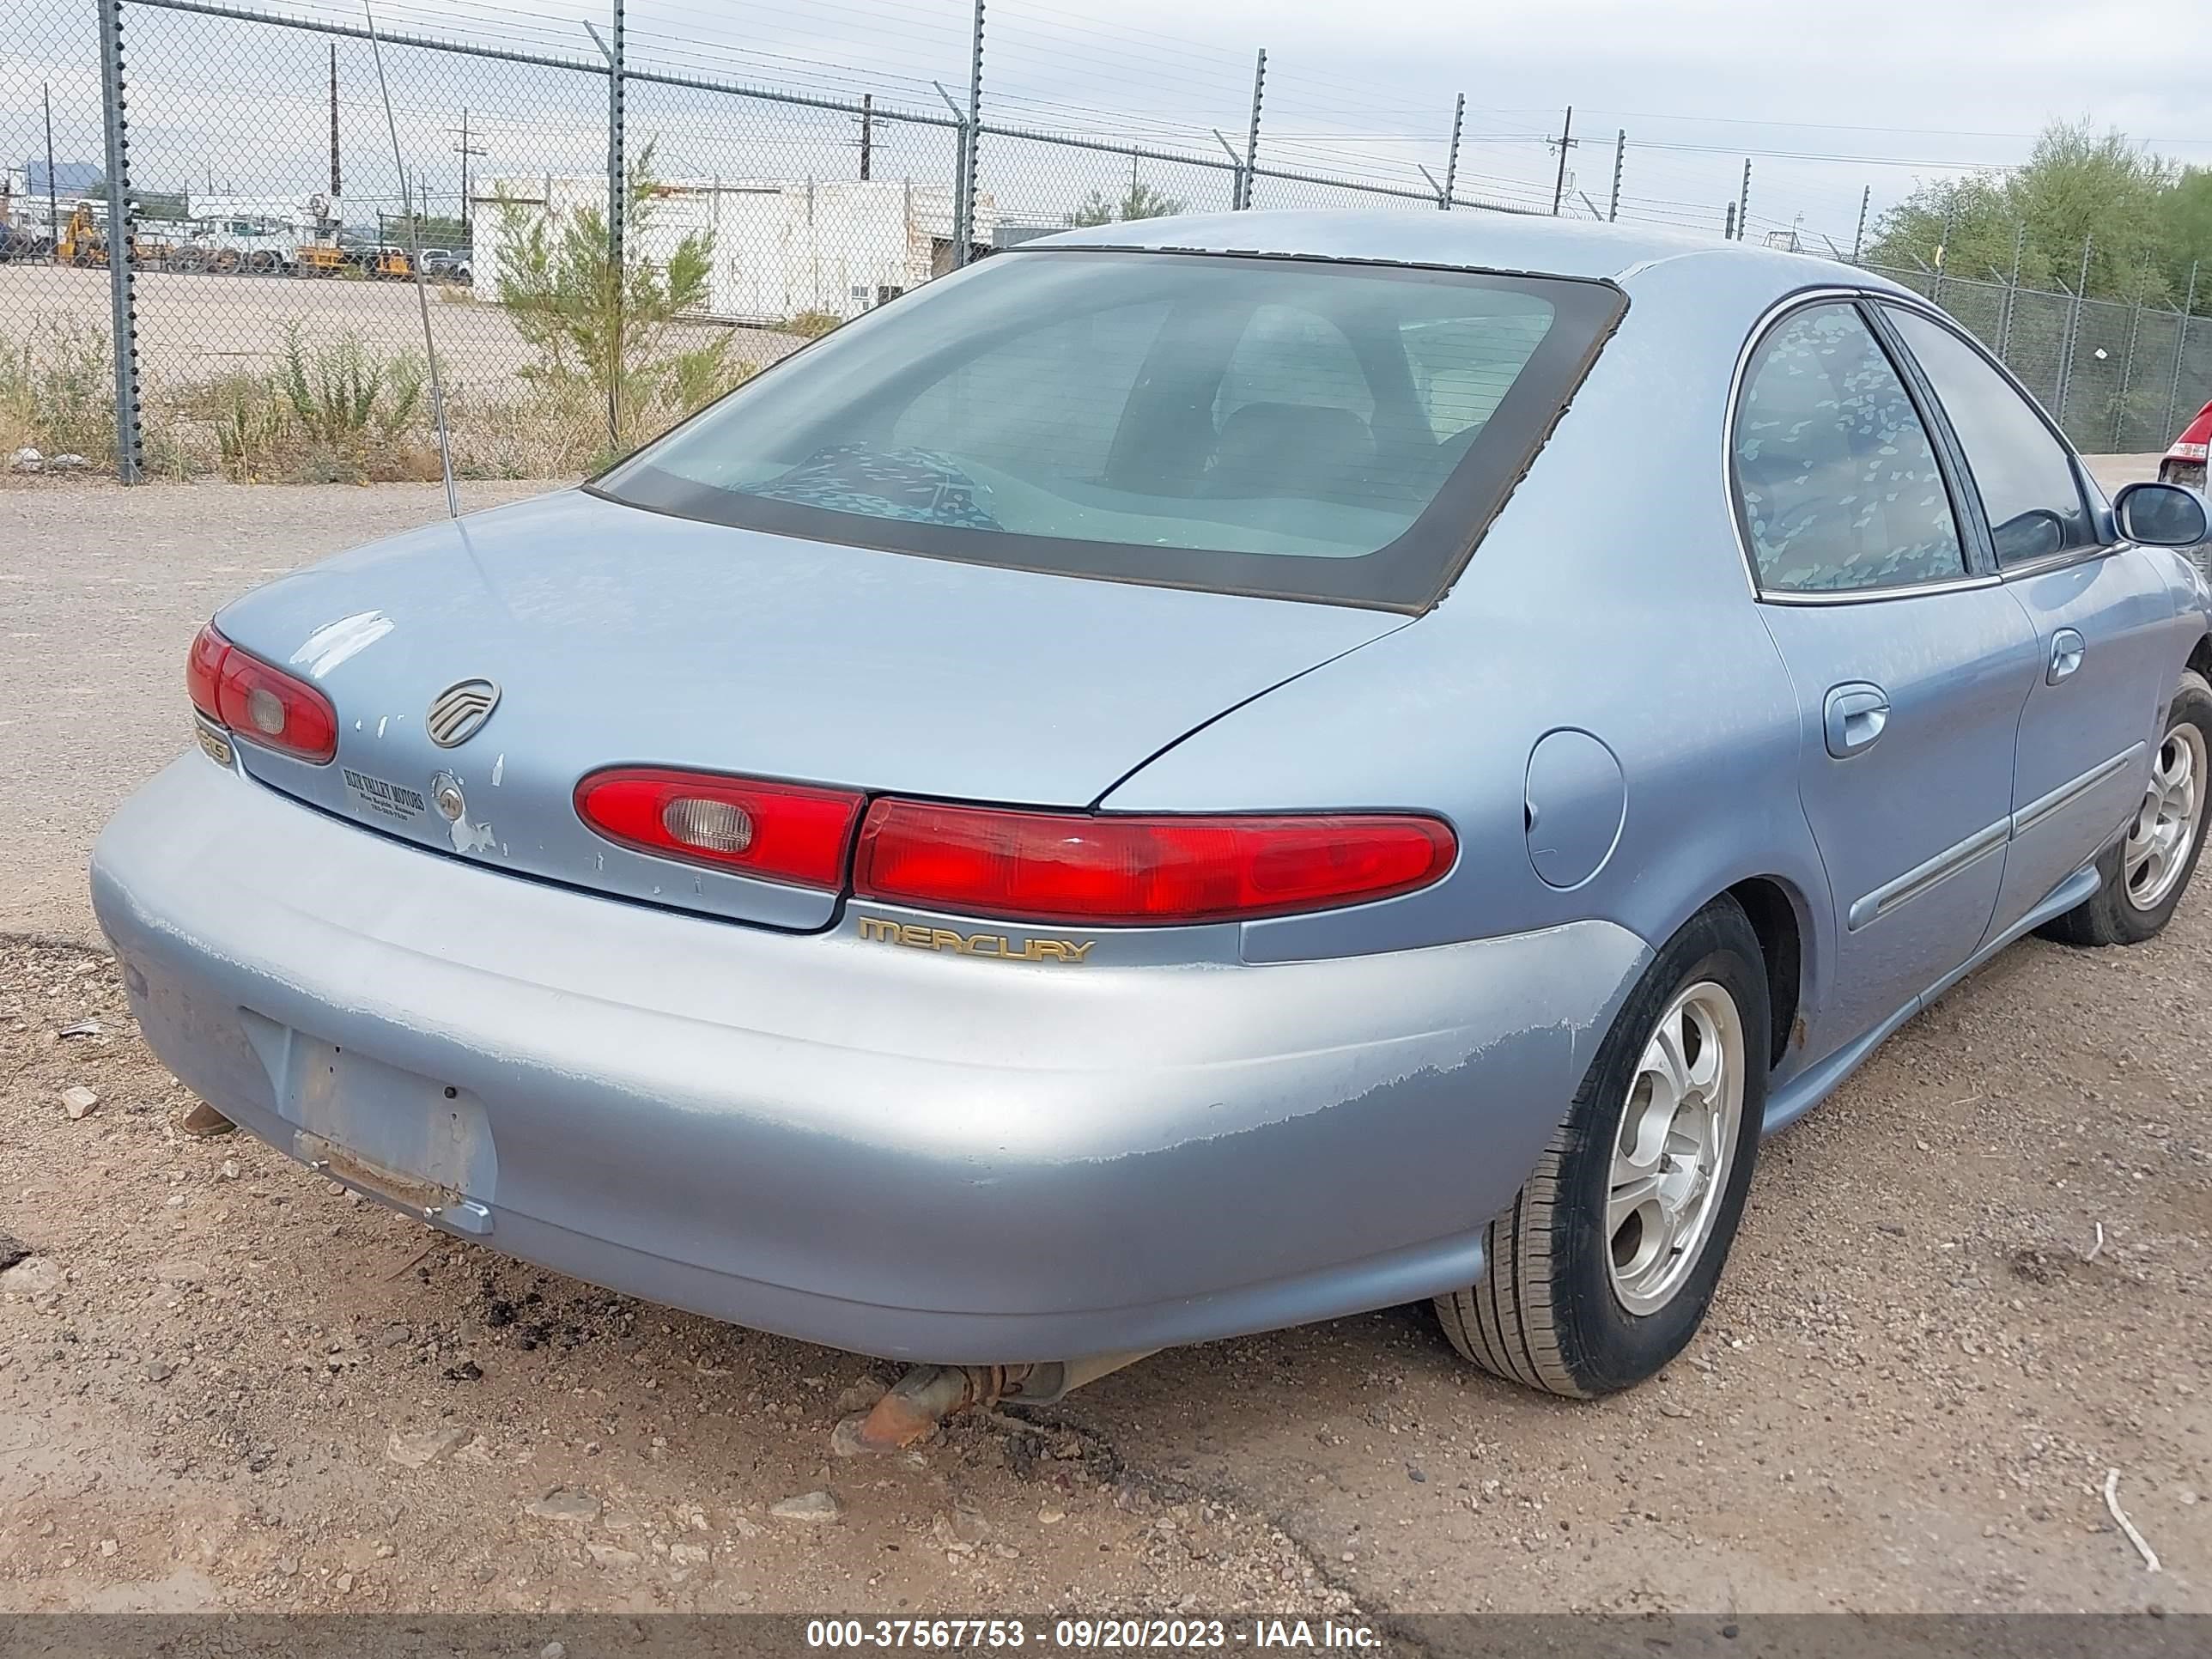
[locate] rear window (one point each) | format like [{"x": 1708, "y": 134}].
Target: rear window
[{"x": 1290, "y": 428}]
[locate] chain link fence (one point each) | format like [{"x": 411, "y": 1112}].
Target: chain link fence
[
  {"x": 601, "y": 244},
  {"x": 2121, "y": 378}
]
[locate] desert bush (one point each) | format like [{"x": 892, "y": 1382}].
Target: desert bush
[
  {"x": 58, "y": 392},
  {"x": 604, "y": 330}
]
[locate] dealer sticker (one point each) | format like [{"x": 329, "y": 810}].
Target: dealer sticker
[{"x": 389, "y": 800}]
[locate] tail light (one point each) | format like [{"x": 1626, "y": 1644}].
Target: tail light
[
  {"x": 1138, "y": 872},
  {"x": 262, "y": 704},
  {"x": 787, "y": 832}
]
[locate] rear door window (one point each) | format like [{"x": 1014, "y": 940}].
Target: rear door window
[
  {"x": 1835, "y": 475},
  {"x": 2029, "y": 489}
]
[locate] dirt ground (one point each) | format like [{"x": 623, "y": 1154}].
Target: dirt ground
[{"x": 1967, "y": 1288}]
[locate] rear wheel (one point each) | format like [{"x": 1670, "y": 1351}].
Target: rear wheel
[
  {"x": 2182, "y": 473},
  {"x": 2147, "y": 871},
  {"x": 1601, "y": 1270}
]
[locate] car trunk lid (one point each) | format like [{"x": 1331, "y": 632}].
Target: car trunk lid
[{"x": 611, "y": 635}]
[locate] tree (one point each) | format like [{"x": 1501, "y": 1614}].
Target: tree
[
  {"x": 1140, "y": 201},
  {"x": 2076, "y": 185},
  {"x": 2188, "y": 210},
  {"x": 605, "y": 331}
]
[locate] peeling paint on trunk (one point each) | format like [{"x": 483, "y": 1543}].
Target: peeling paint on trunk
[{"x": 334, "y": 642}]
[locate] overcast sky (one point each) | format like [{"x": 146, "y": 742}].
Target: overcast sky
[{"x": 1898, "y": 90}]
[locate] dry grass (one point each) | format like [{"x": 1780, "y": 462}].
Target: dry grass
[{"x": 58, "y": 392}]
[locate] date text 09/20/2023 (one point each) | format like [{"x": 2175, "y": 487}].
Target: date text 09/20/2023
[{"x": 1090, "y": 1634}]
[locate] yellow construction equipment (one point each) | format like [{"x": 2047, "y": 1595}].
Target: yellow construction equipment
[{"x": 81, "y": 242}]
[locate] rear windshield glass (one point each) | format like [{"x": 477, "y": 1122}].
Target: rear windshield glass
[{"x": 1291, "y": 427}]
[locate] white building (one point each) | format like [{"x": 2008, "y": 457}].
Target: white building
[{"x": 780, "y": 246}]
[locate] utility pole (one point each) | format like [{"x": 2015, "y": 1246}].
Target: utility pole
[
  {"x": 52, "y": 222},
  {"x": 1252, "y": 132},
  {"x": 1858, "y": 240},
  {"x": 867, "y": 133},
  {"x": 1566, "y": 142},
  {"x": 337, "y": 183},
  {"x": 465, "y": 149},
  {"x": 1743, "y": 203},
  {"x": 1620, "y": 161},
  {"x": 1451, "y": 158}
]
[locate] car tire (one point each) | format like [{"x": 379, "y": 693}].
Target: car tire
[
  {"x": 2133, "y": 901},
  {"x": 2191, "y": 473},
  {"x": 1568, "y": 1303}
]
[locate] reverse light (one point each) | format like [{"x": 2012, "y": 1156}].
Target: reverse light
[
  {"x": 792, "y": 833},
  {"x": 265, "y": 705},
  {"x": 1109, "y": 869}
]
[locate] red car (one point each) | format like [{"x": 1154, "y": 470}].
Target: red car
[{"x": 2185, "y": 462}]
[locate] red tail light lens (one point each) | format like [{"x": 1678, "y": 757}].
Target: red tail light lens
[
  {"x": 1074, "y": 867},
  {"x": 260, "y": 703},
  {"x": 789, "y": 832},
  {"x": 203, "y": 671}
]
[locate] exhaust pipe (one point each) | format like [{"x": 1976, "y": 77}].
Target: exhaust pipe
[{"x": 922, "y": 1400}]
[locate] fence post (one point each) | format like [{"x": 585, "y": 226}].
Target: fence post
[
  {"x": 1252, "y": 132},
  {"x": 2012, "y": 292},
  {"x": 1858, "y": 237},
  {"x": 122, "y": 252},
  {"x": 963, "y": 210},
  {"x": 2128, "y": 362},
  {"x": 2073, "y": 332},
  {"x": 1942, "y": 255},
  {"x": 2180, "y": 345},
  {"x": 1620, "y": 161},
  {"x": 618, "y": 211},
  {"x": 1451, "y": 159}
]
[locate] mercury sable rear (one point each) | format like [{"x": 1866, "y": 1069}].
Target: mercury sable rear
[{"x": 1141, "y": 793}]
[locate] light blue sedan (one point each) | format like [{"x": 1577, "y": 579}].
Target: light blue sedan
[{"x": 1192, "y": 777}]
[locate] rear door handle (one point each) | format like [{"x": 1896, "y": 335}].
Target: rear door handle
[
  {"x": 1855, "y": 715},
  {"x": 2066, "y": 649}
]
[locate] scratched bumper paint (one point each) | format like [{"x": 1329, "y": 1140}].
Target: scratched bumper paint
[{"x": 919, "y": 1153}]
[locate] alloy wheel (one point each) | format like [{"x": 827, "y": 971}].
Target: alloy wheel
[
  {"x": 1672, "y": 1151},
  {"x": 2164, "y": 829}
]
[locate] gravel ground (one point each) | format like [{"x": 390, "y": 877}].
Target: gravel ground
[
  {"x": 224, "y": 1384},
  {"x": 193, "y": 328}
]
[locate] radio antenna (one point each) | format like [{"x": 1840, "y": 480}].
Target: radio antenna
[{"x": 414, "y": 259}]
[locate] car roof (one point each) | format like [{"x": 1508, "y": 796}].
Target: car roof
[{"x": 1472, "y": 239}]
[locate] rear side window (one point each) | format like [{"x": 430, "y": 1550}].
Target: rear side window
[
  {"x": 2028, "y": 488},
  {"x": 1834, "y": 472},
  {"x": 1299, "y": 428}
]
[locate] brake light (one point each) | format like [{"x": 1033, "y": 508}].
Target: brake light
[
  {"x": 265, "y": 705},
  {"x": 1109, "y": 869},
  {"x": 792, "y": 833}
]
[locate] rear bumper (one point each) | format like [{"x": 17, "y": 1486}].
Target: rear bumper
[{"x": 906, "y": 1153}]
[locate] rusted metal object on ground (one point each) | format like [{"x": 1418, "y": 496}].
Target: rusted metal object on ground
[{"x": 911, "y": 1411}]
